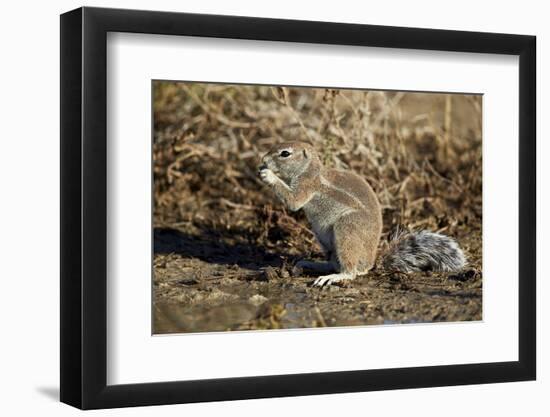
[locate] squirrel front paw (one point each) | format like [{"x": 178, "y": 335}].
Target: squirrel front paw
[{"x": 268, "y": 176}]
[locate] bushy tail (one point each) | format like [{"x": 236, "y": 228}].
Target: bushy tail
[{"x": 423, "y": 251}]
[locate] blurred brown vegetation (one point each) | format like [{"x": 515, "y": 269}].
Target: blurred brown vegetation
[{"x": 421, "y": 153}]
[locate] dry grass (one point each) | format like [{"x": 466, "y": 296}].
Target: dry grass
[{"x": 420, "y": 152}]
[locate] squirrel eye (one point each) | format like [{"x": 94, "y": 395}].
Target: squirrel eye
[{"x": 285, "y": 154}]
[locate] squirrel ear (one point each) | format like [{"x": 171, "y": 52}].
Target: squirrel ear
[{"x": 305, "y": 153}]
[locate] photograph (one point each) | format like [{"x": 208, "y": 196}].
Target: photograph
[{"x": 288, "y": 207}]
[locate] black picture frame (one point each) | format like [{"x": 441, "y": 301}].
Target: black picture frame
[{"x": 84, "y": 207}]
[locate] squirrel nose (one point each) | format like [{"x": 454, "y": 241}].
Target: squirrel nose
[{"x": 263, "y": 164}]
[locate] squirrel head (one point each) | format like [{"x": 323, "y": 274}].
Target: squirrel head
[{"x": 289, "y": 160}]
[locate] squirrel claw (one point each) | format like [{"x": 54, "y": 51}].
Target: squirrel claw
[
  {"x": 322, "y": 281},
  {"x": 327, "y": 280}
]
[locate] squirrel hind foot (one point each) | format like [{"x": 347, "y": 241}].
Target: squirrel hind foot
[{"x": 327, "y": 280}]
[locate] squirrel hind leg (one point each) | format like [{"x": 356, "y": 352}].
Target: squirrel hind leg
[{"x": 351, "y": 251}]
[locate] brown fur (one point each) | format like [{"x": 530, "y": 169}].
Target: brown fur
[{"x": 342, "y": 208}]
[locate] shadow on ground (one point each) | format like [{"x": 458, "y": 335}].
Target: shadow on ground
[{"x": 214, "y": 249}]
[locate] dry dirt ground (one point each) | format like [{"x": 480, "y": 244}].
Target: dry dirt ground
[
  {"x": 224, "y": 248},
  {"x": 215, "y": 285}
]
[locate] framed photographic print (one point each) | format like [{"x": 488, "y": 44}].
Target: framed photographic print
[{"x": 257, "y": 208}]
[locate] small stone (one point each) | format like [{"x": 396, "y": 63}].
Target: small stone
[
  {"x": 257, "y": 300},
  {"x": 270, "y": 274},
  {"x": 297, "y": 271}
]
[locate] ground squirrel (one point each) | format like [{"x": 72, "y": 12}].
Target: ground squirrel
[{"x": 346, "y": 217}]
